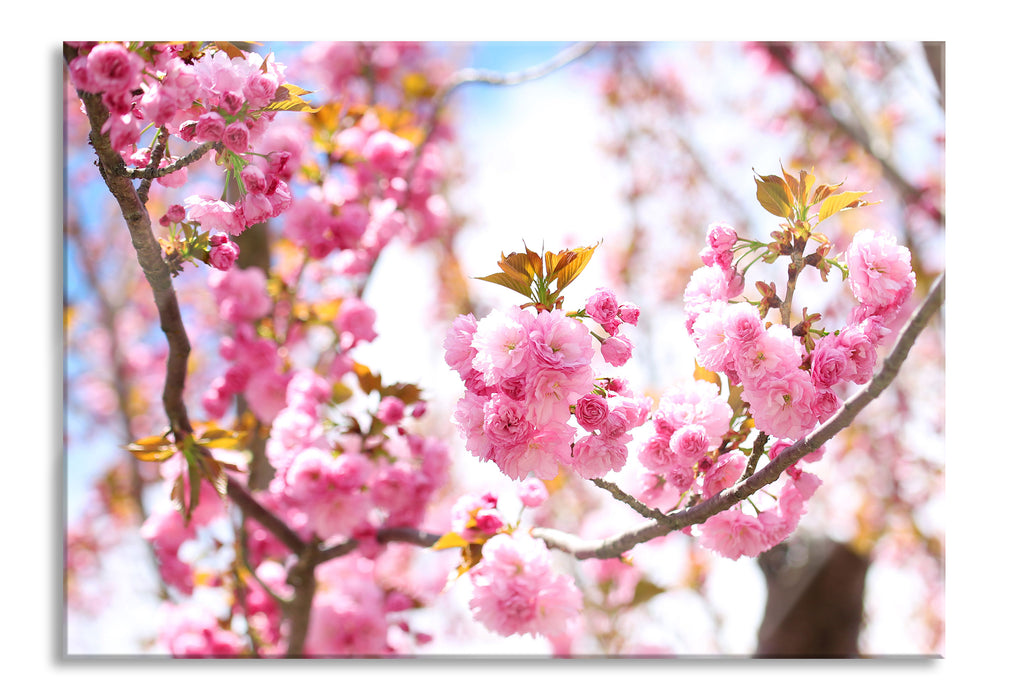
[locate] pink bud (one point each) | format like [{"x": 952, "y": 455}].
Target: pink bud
[{"x": 617, "y": 350}]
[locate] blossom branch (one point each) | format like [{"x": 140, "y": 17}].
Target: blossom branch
[
  {"x": 159, "y": 278},
  {"x": 475, "y": 75},
  {"x": 161, "y": 143},
  {"x": 693, "y": 515},
  {"x": 148, "y": 252},
  {"x": 152, "y": 172}
]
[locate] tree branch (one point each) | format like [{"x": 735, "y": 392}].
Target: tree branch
[
  {"x": 151, "y": 171},
  {"x": 148, "y": 255},
  {"x": 626, "y": 498}
]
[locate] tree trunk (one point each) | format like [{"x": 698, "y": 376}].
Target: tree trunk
[{"x": 815, "y": 597}]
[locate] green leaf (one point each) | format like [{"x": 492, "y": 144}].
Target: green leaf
[{"x": 838, "y": 202}]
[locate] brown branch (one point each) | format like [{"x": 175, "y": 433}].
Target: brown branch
[
  {"x": 252, "y": 508},
  {"x": 152, "y": 172},
  {"x": 161, "y": 143},
  {"x": 618, "y": 544},
  {"x": 148, "y": 250},
  {"x": 159, "y": 277}
]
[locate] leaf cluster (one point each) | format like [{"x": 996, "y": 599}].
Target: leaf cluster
[{"x": 541, "y": 277}]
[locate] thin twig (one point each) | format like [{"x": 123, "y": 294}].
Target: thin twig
[
  {"x": 151, "y": 171},
  {"x": 160, "y": 144},
  {"x": 626, "y": 498}
]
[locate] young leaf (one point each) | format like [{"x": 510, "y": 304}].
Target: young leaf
[
  {"x": 368, "y": 380},
  {"x": 178, "y": 496},
  {"x": 774, "y": 195},
  {"x": 824, "y": 191},
  {"x": 449, "y": 540},
  {"x": 287, "y": 99},
  {"x": 154, "y": 448},
  {"x": 521, "y": 265},
  {"x": 221, "y": 438},
  {"x": 214, "y": 471},
  {"x": 704, "y": 374},
  {"x": 645, "y": 591},
  {"x": 568, "y": 264},
  {"x": 791, "y": 182},
  {"x": 521, "y": 286},
  {"x": 228, "y": 48},
  {"x": 806, "y": 181},
  {"x": 837, "y": 202}
]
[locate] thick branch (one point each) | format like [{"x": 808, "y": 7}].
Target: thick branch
[
  {"x": 148, "y": 255},
  {"x": 618, "y": 544}
]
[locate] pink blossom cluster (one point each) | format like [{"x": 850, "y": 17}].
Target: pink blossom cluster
[
  {"x": 215, "y": 98},
  {"x": 379, "y": 194},
  {"x": 689, "y": 423},
  {"x": 167, "y": 530},
  {"x": 265, "y": 195},
  {"x": 603, "y": 308},
  {"x": 517, "y": 591},
  {"x": 734, "y": 533},
  {"x": 880, "y": 275},
  {"x": 254, "y": 365},
  {"x": 363, "y": 71},
  {"x": 525, "y": 375},
  {"x": 789, "y": 390},
  {"x": 193, "y": 632},
  {"x": 381, "y": 186},
  {"x": 476, "y": 517},
  {"x": 345, "y": 488},
  {"x": 255, "y": 368},
  {"x": 349, "y": 611}
]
